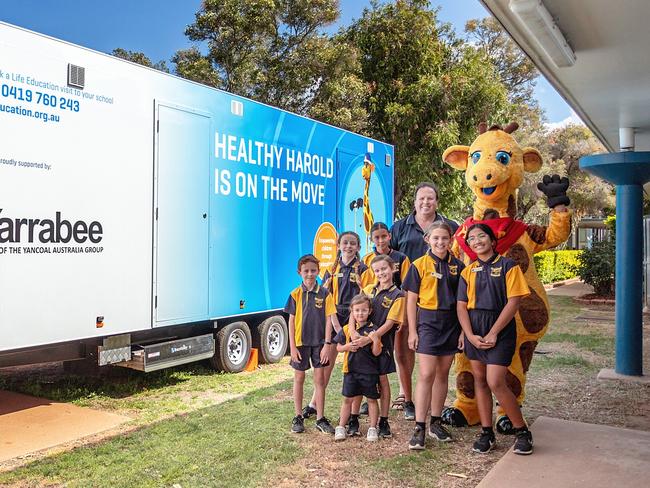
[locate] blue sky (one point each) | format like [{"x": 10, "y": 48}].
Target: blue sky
[{"x": 156, "y": 27}]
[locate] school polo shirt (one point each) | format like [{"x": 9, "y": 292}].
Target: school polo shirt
[
  {"x": 487, "y": 285},
  {"x": 401, "y": 267},
  {"x": 386, "y": 304},
  {"x": 408, "y": 237},
  {"x": 435, "y": 281},
  {"x": 362, "y": 360},
  {"x": 310, "y": 308},
  {"x": 347, "y": 280}
]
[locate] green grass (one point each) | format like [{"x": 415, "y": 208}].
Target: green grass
[
  {"x": 595, "y": 343},
  {"x": 419, "y": 469},
  {"x": 236, "y": 443},
  {"x": 560, "y": 361}
]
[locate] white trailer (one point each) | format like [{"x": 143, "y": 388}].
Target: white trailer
[{"x": 148, "y": 221}]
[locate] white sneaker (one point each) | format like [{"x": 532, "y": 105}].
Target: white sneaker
[
  {"x": 340, "y": 434},
  {"x": 372, "y": 436}
]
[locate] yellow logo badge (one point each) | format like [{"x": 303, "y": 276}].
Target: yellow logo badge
[
  {"x": 354, "y": 278},
  {"x": 453, "y": 269},
  {"x": 386, "y": 302},
  {"x": 496, "y": 272},
  {"x": 318, "y": 302}
]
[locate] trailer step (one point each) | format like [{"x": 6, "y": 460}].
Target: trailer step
[{"x": 153, "y": 357}]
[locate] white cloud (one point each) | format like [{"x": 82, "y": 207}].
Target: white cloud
[{"x": 571, "y": 119}]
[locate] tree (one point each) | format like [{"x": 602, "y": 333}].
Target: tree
[
  {"x": 426, "y": 91},
  {"x": 516, "y": 71},
  {"x": 272, "y": 51},
  {"x": 561, "y": 151},
  {"x": 140, "y": 58}
]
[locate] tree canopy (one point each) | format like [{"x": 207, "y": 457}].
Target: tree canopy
[{"x": 396, "y": 74}]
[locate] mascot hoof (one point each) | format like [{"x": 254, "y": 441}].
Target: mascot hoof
[
  {"x": 504, "y": 426},
  {"x": 454, "y": 417}
]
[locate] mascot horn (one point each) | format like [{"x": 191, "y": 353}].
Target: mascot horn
[{"x": 494, "y": 168}]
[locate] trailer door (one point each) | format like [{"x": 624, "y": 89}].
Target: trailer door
[{"x": 181, "y": 214}]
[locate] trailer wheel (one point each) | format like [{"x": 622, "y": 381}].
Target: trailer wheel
[
  {"x": 233, "y": 348},
  {"x": 273, "y": 339}
]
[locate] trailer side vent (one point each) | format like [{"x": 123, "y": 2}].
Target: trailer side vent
[
  {"x": 76, "y": 76},
  {"x": 236, "y": 107}
]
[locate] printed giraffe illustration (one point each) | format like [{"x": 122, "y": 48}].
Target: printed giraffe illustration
[
  {"x": 494, "y": 168},
  {"x": 368, "y": 219}
]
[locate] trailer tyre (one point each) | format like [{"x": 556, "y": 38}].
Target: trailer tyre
[
  {"x": 273, "y": 339},
  {"x": 233, "y": 348}
]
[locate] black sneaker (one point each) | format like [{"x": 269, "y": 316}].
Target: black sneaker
[
  {"x": 353, "y": 427},
  {"x": 324, "y": 426},
  {"x": 417, "y": 441},
  {"x": 438, "y": 431},
  {"x": 523, "y": 443},
  {"x": 384, "y": 429},
  {"x": 298, "y": 425},
  {"x": 364, "y": 409},
  {"x": 484, "y": 443},
  {"x": 308, "y": 411},
  {"x": 409, "y": 411}
]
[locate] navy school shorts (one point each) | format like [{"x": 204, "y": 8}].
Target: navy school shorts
[
  {"x": 307, "y": 354},
  {"x": 361, "y": 384}
]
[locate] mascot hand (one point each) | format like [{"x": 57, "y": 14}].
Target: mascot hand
[{"x": 555, "y": 189}]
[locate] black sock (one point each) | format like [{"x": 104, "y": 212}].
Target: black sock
[
  {"x": 434, "y": 419},
  {"x": 487, "y": 430},
  {"x": 354, "y": 416},
  {"x": 383, "y": 419},
  {"x": 520, "y": 429},
  {"x": 423, "y": 425}
]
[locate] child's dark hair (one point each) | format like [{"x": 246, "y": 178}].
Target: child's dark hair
[
  {"x": 308, "y": 258},
  {"x": 360, "y": 298},
  {"x": 426, "y": 184},
  {"x": 379, "y": 226},
  {"x": 438, "y": 224},
  {"x": 383, "y": 257},
  {"x": 485, "y": 228}
]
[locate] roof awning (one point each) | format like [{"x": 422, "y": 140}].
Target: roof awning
[{"x": 608, "y": 83}]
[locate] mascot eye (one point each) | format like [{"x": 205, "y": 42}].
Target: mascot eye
[
  {"x": 503, "y": 157},
  {"x": 476, "y": 155}
]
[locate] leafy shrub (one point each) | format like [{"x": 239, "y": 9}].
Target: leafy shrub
[
  {"x": 597, "y": 266},
  {"x": 555, "y": 266}
]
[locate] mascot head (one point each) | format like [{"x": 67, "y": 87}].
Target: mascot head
[{"x": 494, "y": 168}]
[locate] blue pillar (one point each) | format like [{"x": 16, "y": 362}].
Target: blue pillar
[
  {"x": 629, "y": 280},
  {"x": 628, "y": 171}
]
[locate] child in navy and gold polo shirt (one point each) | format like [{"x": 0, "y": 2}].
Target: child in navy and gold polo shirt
[
  {"x": 344, "y": 280},
  {"x": 360, "y": 367},
  {"x": 489, "y": 294},
  {"x": 387, "y": 313},
  {"x": 434, "y": 332},
  {"x": 380, "y": 236},
  {"x": 311, "y": 313}
]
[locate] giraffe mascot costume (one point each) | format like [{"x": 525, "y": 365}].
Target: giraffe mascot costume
[{"x": 494, "y": 167}]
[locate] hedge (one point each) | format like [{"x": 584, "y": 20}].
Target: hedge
[{"x": 555, "y": 266}]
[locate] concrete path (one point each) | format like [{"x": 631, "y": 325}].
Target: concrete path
[
  {"x": 572, "y": 289},
  {"x": 29, "y": 424},
  {"x": 574, "y": 454}
]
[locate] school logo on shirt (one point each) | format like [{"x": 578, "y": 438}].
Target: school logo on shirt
[
  {"x": 395, "y": 267},
  {"x": 354, "y": 278},
  {"x": 496, "y": 272},
  {"x": 318, "y": 302},
  {"x": 453, "y": 269},
  {"x": 386, "y": 302}
]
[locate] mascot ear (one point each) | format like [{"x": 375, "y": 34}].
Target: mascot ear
[
  {"x": 456, "y": 157},
  {"x": 532, "y": 160}
]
